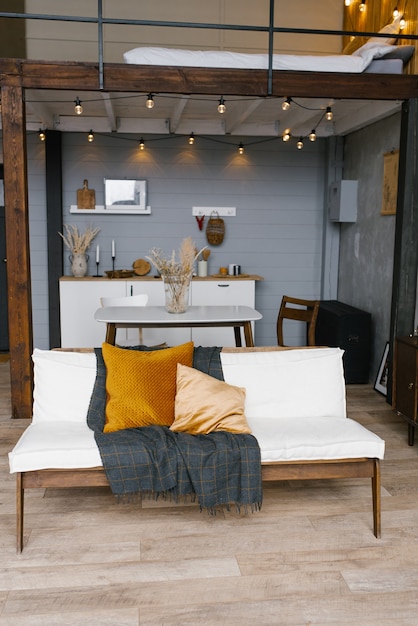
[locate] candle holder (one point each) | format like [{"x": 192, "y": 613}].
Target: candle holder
[
  {"x": 97, "y": 268},
  {"x": 113, "y": 263}
]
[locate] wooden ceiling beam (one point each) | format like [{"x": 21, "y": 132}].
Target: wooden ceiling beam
[{"x": 193, "y": 80}]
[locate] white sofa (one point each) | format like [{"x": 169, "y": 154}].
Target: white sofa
[{"x": 295, "y": 405}]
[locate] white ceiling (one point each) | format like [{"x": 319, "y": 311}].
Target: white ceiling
[{"x": 176, "y": 114}]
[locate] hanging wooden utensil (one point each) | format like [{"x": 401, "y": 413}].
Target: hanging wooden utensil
[
  {"x": 86, "y": 198},
  {"x": 215, "y": 230}
]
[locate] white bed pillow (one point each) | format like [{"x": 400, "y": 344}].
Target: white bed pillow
[
  {"x": 389, "y": 29},
  {"x": 63, "y": 385},
  {"x": 373, "y": 50},
  {"x": 289, "y": 383}
]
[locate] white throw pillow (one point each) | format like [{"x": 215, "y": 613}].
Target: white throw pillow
[
  {"x": 289, "y": 383},
  {"x": 63, "y": 385}
]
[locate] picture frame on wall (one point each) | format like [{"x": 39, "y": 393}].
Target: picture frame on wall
[
  {"x": 390, "y": 182},
  {"x": 380, "y": 384}
]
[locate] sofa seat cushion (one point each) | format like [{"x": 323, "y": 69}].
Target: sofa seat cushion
[
  {"x": 319, "y": 438},
  {"x": 59, "y": 445}
]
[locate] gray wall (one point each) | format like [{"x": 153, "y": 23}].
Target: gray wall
[
  {"x": 367, "y": 247},
  {"x": 276, "y": 189}
]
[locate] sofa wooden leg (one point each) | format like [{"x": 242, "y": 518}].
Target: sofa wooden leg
[
  {"x": 376, "y": 492},
  {"x": 20, "y": 503}
]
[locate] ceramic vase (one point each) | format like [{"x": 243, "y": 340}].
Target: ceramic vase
[{"x": 79, "y": 264}]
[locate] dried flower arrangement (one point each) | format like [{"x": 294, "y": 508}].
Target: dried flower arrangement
[
  {"x": 170, "y": 265},
  {"x": 77, "y": 242},
  {"x": 176, "y": 273}
]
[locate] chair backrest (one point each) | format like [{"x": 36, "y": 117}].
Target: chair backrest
[
  {"x": 300, "y": 310},
  {"x": 139, "y": 300}
]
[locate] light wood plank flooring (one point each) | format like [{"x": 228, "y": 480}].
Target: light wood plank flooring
[{"x": 308, "y": 558}]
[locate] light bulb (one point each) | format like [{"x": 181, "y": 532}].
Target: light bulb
[
  {"x": 150, "y": 101},
  {"x": 90, "y": 136},
  {"x": 300, "y": 143},
  {"x": 241, "y": 148},
  {"x": 402, "y": 23},
  {"x": 347, "y": 3},
  {"x": 362, "y": 6},
  {"x": 312, "y": 136},
  {"x": 78, "y": 106},
  {"x": 42, "y": 135},
  {"x": 286, "y": 135},
  {"x": 221, "y": 106},
  {"x": 141, "y": 144},
  {"x": 395, "y": 12},
  {"x": 191, "y": 139},
  {"x": 286, "y": 104},
  {"x": 329, "y": 114}
]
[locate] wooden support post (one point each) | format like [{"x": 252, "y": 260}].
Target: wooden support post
[{"x": 17, "y": 249}]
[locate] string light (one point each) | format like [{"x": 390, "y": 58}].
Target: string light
[
  {"x": 41, "y": 135},
  {"x": 402, "y": 23},
  {"x": 141, "y": 144},
  {"x": 286, "y": 104},
  {"x": 286, "y": 135},
  {"x": 362, "y": 6},
  {"x": 241, "y": 148},
  {"x": 90, "y": 137},
  {"x": 150, "y": 101},
  {"x": 329, "y": 115},
  {"x": 191, "y": 139},
  {"x": 347, "y": 3},
  {"x": 78, "y": 106},
  {"x": 300, "y": 143},
  {"x": 312, "y": 135},
  {"x": 221, "y": 105},
  {"x": 395, "y": 12}
]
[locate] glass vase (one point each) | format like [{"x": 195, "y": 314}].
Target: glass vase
[{"x": 176, "y": 290}]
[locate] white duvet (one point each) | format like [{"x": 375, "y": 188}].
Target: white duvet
[{"x": 354, "y": 63}]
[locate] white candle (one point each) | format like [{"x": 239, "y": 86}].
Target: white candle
[
  {"x": 113, "y": 249},
  {"x": 97, "y": 253}
]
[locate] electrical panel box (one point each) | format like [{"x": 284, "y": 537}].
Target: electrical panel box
[{"x": 343, "y": 201}]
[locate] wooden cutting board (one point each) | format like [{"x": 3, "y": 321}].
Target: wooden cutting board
[{"x": 86, "y": 198}]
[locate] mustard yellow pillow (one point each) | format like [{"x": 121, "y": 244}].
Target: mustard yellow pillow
[
  {"x": 141, "y": 386},
  {"x": 205, "y": 404}
]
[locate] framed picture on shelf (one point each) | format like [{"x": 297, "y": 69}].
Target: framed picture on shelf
[{"x": 382, "y": 375}]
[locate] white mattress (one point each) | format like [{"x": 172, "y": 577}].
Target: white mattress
[
  {"x": 67, "y": 445},
  {"x": 355, "y": 63}
]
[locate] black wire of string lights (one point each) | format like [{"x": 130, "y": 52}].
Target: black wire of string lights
[{"x": 286, "y": 104}]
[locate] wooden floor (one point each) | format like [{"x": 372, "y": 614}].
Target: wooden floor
[{"x": 309, "y": 557}]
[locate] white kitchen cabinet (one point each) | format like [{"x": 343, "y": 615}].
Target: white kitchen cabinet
[
  {"x": 227, "y": 292},
  {"x": 80, "y": 298}
]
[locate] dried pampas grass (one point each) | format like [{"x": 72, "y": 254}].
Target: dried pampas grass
[{"x": 78, "y": 242}]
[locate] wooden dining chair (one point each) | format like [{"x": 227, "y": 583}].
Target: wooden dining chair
[
  {"x": 137, "y": 300},
  {"x": 299, "y": 310}
]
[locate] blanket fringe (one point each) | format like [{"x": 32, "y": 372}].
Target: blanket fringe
[{"x": 172, "y": 496}]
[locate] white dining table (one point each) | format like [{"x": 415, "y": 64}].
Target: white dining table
[{"x": 196, "y": 316}]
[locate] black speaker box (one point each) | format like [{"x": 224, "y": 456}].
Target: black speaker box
[{"x": 344, "y": 326}]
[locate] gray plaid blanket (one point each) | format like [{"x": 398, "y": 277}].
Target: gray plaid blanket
[{"x": 218, "y": 469}]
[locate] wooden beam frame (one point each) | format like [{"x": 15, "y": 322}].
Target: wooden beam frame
[{"x": 16, "y": 75}]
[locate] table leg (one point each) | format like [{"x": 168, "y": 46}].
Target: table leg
[
  {"x": 237, "y": 333},
  {"x": 248, "y": 334},
  {"x": 110, "y": 333}
]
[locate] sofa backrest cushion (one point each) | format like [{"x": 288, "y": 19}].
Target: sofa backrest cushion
[
  {"x": 63, "y": 384},
  {"x": 289, "y": 383}
]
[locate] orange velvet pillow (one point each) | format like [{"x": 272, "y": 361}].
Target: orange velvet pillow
[
  {"x": 141, "y": 386},
  {"x": 205, "y": 404}
]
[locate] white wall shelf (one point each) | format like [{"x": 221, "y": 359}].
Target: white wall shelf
[{"x": 110, "y": 210}]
